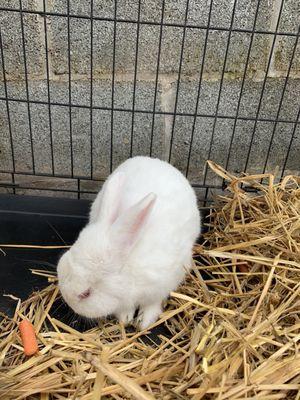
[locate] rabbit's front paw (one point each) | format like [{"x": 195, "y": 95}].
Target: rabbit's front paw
[
  {"x": 148, "y": 315},
  {"x": 126, "y": 316}
]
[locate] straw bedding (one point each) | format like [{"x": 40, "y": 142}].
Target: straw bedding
[{"x": 233, "y": 335}]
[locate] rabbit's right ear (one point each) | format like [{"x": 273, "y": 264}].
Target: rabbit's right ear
[
  {"x": 111, "y": 201},
  {"x": 127, "y": 229}
]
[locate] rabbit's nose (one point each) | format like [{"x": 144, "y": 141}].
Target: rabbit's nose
[{"x": 85, "y": 294}]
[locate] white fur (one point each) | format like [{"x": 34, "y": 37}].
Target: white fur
[{"x": 137, "y": 245}]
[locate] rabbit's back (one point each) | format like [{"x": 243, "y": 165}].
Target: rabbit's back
[
  {"x": 175, "y": 216},
  {"x": 145, "y": 175},
  {"x": 175, "y": 220}
]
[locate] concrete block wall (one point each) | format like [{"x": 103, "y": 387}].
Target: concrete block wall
[{"x": 261, "y": 92}]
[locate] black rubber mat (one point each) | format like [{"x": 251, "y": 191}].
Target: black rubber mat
[{"x": 35, "y": 221}]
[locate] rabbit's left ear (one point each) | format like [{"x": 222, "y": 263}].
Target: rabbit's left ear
[
  {"x": 128, "y": 227},
  {"x": 110, "y": 207}
]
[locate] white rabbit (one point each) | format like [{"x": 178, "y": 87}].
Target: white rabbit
[{"x": 137, "y": 245}]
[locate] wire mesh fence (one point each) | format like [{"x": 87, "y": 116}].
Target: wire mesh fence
[{"x": 85, "y": 85}]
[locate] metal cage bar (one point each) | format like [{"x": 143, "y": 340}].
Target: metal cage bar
[
  {"x": 113, "y": 88},
  {"x": 281, "y": 101},
  {"x": 7, "y": 107},
  {"x": 242, "y": 86},
  {"x": 220, "y": 88},
  {"x": 143, "y": 22},
  {"x": 48, "y": 87},
  {"x": 26, "y": 85},
  {"x": 70, "y": 88},
  {"x": 263, "y": 87},
  {"x": 157, "y": 76},
  {"x": 91, "y": 90},
  {"x": 199, "y": 88},
  {"x": 178, "y": 79},
  {"x": 144, "y": 111},
  {"x": 135, "y": 76}
]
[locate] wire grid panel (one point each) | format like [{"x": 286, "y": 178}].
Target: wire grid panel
[{"x": 85, "y": 85}]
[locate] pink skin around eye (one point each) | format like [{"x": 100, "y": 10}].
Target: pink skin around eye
[{"x": 85, "y": 294}]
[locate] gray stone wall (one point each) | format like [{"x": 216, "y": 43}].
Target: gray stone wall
[{"x": 258, "y": 95}]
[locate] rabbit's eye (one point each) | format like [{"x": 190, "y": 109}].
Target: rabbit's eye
[{"x": 85, "y": 294}]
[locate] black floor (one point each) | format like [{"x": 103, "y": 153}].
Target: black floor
[{"x": 40, "y": 221}]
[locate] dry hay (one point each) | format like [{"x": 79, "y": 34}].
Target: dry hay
[{"x": 235, "y": 335}]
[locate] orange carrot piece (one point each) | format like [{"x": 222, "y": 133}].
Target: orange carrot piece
[{"x": 28, "y": 337}]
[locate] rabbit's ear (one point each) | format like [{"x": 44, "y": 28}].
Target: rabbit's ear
[
  {"x": 128, "y": 227},
  {"x": 111, "y": 201}
]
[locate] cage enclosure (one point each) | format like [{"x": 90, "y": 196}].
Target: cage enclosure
[{"x": 87, "y": 84}]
